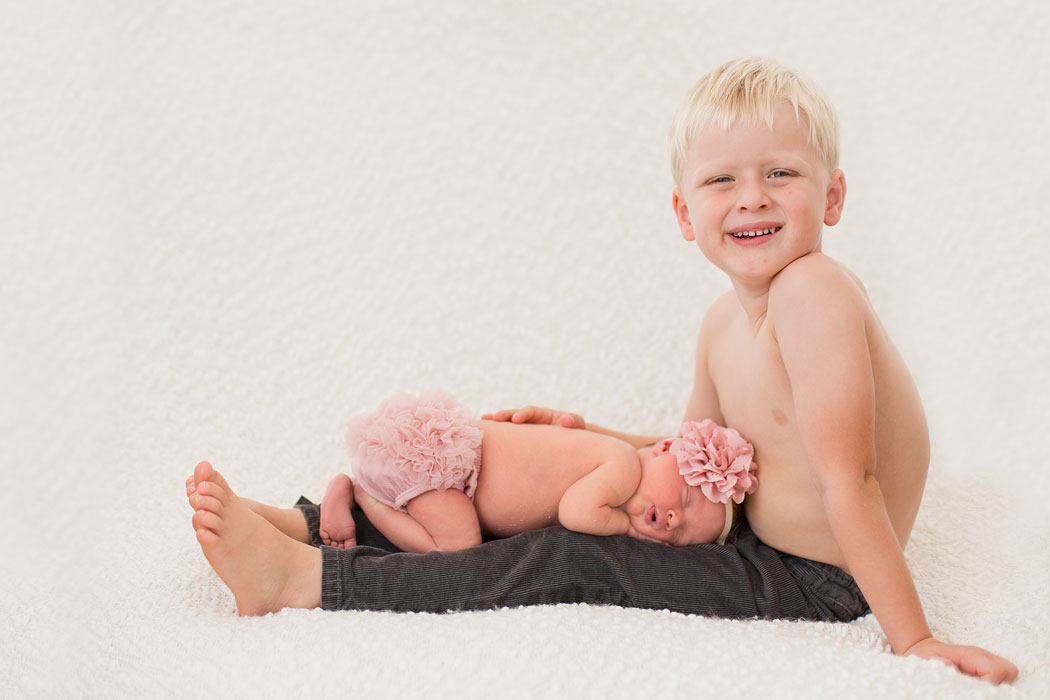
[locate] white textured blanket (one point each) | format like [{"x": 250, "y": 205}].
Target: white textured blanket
[{"x": 226, "y": 227}]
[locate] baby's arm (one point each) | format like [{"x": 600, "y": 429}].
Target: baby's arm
[
  {"x": 825, "y": 351},
  {"x": 590, "y": 504}
]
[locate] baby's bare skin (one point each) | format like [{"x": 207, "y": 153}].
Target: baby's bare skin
[
  {"x": 532, "y": 476},
  {"x": 337, "y": 524},
  {"x": 542, "y": 461}
]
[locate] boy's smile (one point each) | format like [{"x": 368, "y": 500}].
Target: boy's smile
[
  {"x": 757, "y": 198},
  {"x": 755, "y": 234}
]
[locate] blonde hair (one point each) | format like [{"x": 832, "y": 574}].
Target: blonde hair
[{"x": 753, "y": 89}]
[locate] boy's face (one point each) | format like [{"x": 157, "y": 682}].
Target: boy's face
[
  {"x": 666, "y": 509},
  {"x": 753, "y": 180}
]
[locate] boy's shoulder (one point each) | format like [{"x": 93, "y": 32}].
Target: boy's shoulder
[
  {"x": 815, "y": 279},
  {"x": 720, "y": 314},
  {"x": 815, "y": 291},
  {"x": 723, "y": 306}
]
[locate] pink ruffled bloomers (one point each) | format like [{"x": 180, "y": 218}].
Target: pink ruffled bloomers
[
  {"x": 717, "y": 460},
  {"x": 414, "y": 444}
]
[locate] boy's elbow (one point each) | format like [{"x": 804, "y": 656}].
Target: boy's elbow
[{"x": 844, "y": 493}]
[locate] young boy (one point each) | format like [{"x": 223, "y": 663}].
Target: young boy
[{"x": 793, "y": 357}]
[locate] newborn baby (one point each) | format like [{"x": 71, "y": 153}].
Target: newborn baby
[{"x": 431, "y": 478}]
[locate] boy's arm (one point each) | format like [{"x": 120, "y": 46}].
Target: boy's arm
[
  {"x": 825, "y": 351},
  {"x": 703, "y": 401},
  {"x": 590, "y": 504},
  {"x": 550, "y": 416}
]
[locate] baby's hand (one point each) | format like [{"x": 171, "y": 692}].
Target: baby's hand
[
  {"x": 972, "y": 661},
  {"x": 631, "y": 532},
  {"x": 535, "y": 414}
]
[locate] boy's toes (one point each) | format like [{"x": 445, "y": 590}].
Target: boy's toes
[
  {"x": 202, "y": 472},
  {"x": 191, "y": 492},
  {"x": 207, "y": 474},
  {"x": 210, "y": 504},
  {"x": 206, "y": 521},
  {"x": 213, "y": 489}
]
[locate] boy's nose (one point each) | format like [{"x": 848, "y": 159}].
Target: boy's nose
[
  {"x": 671, "y": 520},
  {"x": 752, "y": 197}
]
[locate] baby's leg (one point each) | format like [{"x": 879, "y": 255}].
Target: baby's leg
[
  {"x": 436, "y": 520},
  {"x": 337, "y": 524}
]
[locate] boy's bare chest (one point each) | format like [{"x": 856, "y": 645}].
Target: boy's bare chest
[{"x": 754, "y": 392}]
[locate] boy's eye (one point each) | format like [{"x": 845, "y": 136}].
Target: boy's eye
[
  {"x": 718, "y": 180},
  {"x": 781, "y": 173}
]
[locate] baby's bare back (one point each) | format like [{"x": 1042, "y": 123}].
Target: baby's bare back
[
  {"x": 526, "y": 468},
  {"x": 786, "y": 511}
]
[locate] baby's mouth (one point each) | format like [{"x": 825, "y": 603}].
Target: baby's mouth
[
  {"x": 756, "y": 234},
  {"x": 651, "y": 516}
]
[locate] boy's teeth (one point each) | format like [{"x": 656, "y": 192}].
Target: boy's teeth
[{"x": 752, "y": 234}]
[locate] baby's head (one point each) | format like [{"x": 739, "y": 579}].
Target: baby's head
[
  {"x": 692, "y": 486},
  {"x": 753, "y": 90}
]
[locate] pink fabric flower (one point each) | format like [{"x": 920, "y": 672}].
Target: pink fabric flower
[{"x": 717, "y": 460}]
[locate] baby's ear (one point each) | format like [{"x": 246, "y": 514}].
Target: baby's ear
[{"x": 662, "y": 447}]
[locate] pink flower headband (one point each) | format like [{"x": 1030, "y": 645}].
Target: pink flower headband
[{"x": 717, "y": 460}]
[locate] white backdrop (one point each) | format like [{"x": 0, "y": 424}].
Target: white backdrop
[{"x": 228, "y": 226}]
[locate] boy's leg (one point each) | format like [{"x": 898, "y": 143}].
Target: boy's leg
[
  {"x": 288, "y": 520},
  {"x": 265, "y": 570},
  {"x": 741, "y": 579}
]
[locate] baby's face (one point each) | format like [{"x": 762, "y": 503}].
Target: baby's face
[
  {"x": 756, "y": 199},
  {"x": 666, "y": 509}
]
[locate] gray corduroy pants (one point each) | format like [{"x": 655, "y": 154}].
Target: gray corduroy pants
[{"x": 743, "y": 578}]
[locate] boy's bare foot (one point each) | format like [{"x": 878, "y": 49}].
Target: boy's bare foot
[
  {"x": 265, "y": 570},
  {"x": 290, "y": 521},
  {"x": 191, "y": 492},
  {"x": 337, "y": 527}
]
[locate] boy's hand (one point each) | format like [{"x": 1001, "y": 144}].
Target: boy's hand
[
  {"x": 972, "y": 661},
  {"x": 536, "y": 414}
]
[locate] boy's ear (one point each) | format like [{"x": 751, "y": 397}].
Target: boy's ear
[
  {"x": 836, "y": 198},
  {"x": 681, "y": 212}
]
